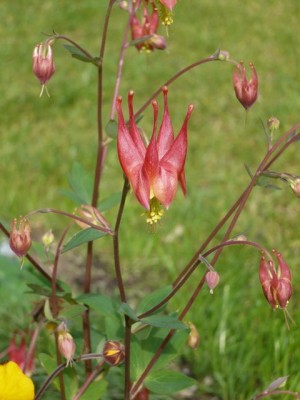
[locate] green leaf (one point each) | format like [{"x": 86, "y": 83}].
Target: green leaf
[
  {"x": 80, "y": 55},
  {"x": 111, "y": 129},
  {"x": 95, "y": 391},
  {"x": 81, "y": 184},
  {"x": 154, "y": 298},
  {"x": 110, "y": 202},
  {"x": 167, "y": 382},
  {"x": 37, "y": 289},
  {"x": 100, "y": 303},
  {"x": 83, "y": 236},
  {"x": 72, "y": 311},
  {"x": 125, "y": 309},
  {"x": 164, "y": 321}
]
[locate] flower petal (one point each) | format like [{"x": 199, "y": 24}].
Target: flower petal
[{"x": 165, "y": 137}]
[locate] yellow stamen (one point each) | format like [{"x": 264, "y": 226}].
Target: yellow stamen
[{"x": 155, "y": 213}]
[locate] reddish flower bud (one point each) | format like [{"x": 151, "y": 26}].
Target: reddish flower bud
[
  {"x": 212, "y": 279},
  {"x": 276, "y": 285},
  {"x": 66, "y": 344},
  {"x": 143, "y": 394},
  {"x": 113, "y": 352},
  {"x": 295, "y": 186},
  {"x": 245, "y": 90},
  {"x": 20, "y": 237},
  {"x": 42, "y": 63}
]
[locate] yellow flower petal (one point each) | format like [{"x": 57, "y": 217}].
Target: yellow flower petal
[{"x": 14, "y": 385}]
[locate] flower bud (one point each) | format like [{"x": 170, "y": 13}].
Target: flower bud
[
  {"x": 66, "y": 344},
  {"x": 20, "y": 237},
  {"x": 42, "y": 63},
  {"x": 91, "y": 215},
  {"x": 212, "y": 279},
  {"x": 276, "y": 285},
  {"x": 295, "y": 186},
  {"x": 194, "y": 337},
  {"x": 158, "y": 42},
  {"x": 273, "y": 124},
  {"x": 113, "y": 352},
  {"x": 245, "y": 90},
  {"x": 143, "y": 394}
]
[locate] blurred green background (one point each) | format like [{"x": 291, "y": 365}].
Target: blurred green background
[{"x": 244, "y": 344}]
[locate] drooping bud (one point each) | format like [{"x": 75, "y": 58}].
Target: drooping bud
[
  {"x": 194, "y": 337},
  {"x": 295, "y": 186},
  {"x": 66, "y": 344},
  {"x": 245, "y": 90},
  {"x": 92, "y": 215},
  {"x": 113, "y": 352},
  {"x": 42, "y": 63},
  {"x": 212, "y": 279},
  {"x": 276, "y": 285},
  {"x": 20, "y": 237}
]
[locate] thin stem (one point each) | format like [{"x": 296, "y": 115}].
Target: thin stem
[
  {"x": 82, "y": 50},
  {"x": 172, "y": 79},
  {"x": 53, "y": 298},
  {"x": 121, "y": 287},
  {"x": 97, "y": 177},
  {"x": 89, "y": 380},
  {"x": 120, "y": 64}
]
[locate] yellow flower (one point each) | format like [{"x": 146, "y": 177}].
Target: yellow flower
[{"x": 14, "y": 385}]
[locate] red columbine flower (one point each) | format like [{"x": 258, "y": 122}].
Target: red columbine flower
[
  {"x": 147, "y": 28},
  {"x": 276, "y": 285},
  {"x": 20, "y": 237},
  {"x": 43, "y": 64},
  {"x": 153, "y": 171},
  {"x": 17, "y": 352},
  {"x": 245, "y": 90}
]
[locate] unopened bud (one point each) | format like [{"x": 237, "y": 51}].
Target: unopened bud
[
  {"x": 20, "y": 237},
  {"x": 123, "y": 5},
  {"x": 66, "y": 344},
  {"x": 295, "y": 186},
  {"x": 194, "y": 337},
  {"x": 92, "y": 215},
  {"x": 158, "y": 42},
  {"x": 48, "y": 239},
  {"x": 212, "y": 279},
  {"x": 113, "y": 352},
  {"x": 273, "y": 124},
  {"x": 223, "y": 55}
]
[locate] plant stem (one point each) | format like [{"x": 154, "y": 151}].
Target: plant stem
[
  {"x": 172, "y": 79},
  {"x": 97, "y": 177},
  {"x": 122, "y": 293},
  {"x": 90, "y": 379}
]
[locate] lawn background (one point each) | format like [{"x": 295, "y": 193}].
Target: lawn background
[{"x": 244, "y": 344}]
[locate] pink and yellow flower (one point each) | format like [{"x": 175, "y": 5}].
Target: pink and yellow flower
[
  {"x": 154, "y": 171},
  {"x": 14, "y": 385}
]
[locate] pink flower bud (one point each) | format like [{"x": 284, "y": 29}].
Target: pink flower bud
[
  {"x": 276, "y": 285},
  {"x": 66, "y": 344},
  {"x": 245, "y": 90},
  {"x": 295, "y": 186},
  {"x": 42, "y": 63},
  {"x": 212, "y": 279},
  {"x": 113, "y": 352},
  {"x": 20, "y": 237}
]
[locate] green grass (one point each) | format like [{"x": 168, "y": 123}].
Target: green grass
[{"x": 244, "y": 344}]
